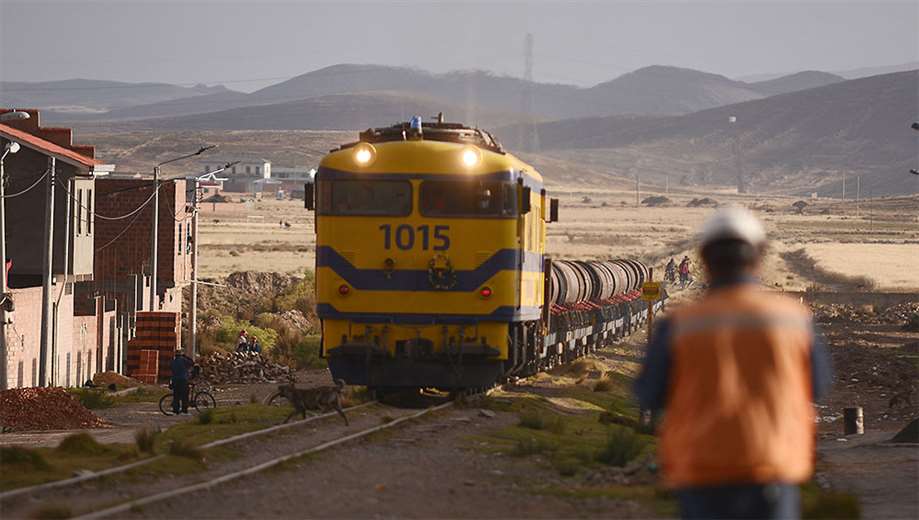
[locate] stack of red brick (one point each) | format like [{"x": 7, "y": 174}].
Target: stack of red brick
[{"x": 151, "y": 351}]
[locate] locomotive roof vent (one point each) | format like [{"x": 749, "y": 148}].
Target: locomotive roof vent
[{"x": 436, "y": 130}]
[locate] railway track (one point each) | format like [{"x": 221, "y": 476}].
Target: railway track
[
  {"x": 374, "y": 415},
  {"x": 81, "y": 479},
  {"x": 200, "y": 486}
]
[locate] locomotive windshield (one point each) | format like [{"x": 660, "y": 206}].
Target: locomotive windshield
[
  {"x": 376, "y": 198},
  {"x": 468, "y": 199}
]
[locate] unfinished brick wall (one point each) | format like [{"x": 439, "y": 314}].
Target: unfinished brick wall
[
  {"x": 22, "y": 338},
  {"x": 72, "y": 340},
  {"x": 130, "y": 252}
]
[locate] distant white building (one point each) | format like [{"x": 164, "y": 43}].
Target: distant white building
[
  {"x": 241, "y": 177},
  {"x": 288, "y": 180}
]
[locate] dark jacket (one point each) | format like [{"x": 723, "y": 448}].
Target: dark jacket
[{"x": 181, "y": 366}]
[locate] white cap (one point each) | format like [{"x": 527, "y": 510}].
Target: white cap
[{"x": 733, "y": 223}]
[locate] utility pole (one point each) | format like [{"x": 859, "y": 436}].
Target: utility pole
[
  {"x": 530, "y": 139},
  {"x": 4, "y": 360},
  {"x": 154, "y": 239},
  {"x": 47, "y": 257},
  {"x": 637, "y": 189},
  {"x": 858, "y": 193},
  {"x": 156, "y": 217},
  {"x": 844, "y": 187},
  {"x": 668, "y": 184},
  {"x": 193, "y": 343},
  {"x": 5, "y": 299},
  {"x": 193, "y": 326}
]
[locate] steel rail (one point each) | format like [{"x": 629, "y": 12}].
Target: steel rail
[
  {"x": 220, "y": 442},
  {"x": 127, "y": 506}
]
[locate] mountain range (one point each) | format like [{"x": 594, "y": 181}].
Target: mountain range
[
  {"x": 797, "y": 142},
  {"x": 481, "y": 96},
  {"x": 83, "y": 96},
  {"x": 795, "y": 133}
]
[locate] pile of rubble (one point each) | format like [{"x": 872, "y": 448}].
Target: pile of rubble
[
  {"x": 242, "y": 367},
  {"x": 25, "y": 409},
  {"x": 867, "y": 314},
  {"x": 114, "y": 378}
]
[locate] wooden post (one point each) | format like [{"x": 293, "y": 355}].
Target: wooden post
[
  {"x": 650, "y": 305},
  {"x": 853, "y": 421}
]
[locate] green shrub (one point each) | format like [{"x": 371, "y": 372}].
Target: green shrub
[
  {"x": 828, "y": 505},
  {"x": 300, "y": 296},
  {"x": 228, "y": 333},
  {"x": 22, "y": 459},
  {"x": 146, "y": 440},
  {"x": 912, "y": 323},
  {"x": 532, "y": 420},
  {"x": 298, "y": 350},
  {"x": 566, "y": 466},
  {"x": 81, "y": 444},
  {"x": 533, "y": 446},
  {"x": 206, "y": 416},
  {"x": 52, "y": 512},
  {"x": 183, "y": 449},
  {"x": 622, "y": 445},
  {"x": 93, "y": 399},
  {"x": 603, "y": 385}
]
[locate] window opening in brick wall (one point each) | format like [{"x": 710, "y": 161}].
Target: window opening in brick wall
[
  {"x": 89, "y": 212},
  {"x": 19, "y": 375},
  {"x": 78, "y": 211}
]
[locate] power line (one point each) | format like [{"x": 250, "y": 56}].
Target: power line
[
  {"x": 176, "y": 214},
  {"x": 103, "y": 217},
  {"x": 119, "y": 235},
  {"x": 29, "y": 188}
]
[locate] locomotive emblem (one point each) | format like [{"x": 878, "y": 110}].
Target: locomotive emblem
[{"x": 441, "y": 273}]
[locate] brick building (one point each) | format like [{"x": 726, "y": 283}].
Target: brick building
[
  {"x": 101, "y": 246},
  {"x": 28, "y": 174},
  {"x": 122, "y": 258}
]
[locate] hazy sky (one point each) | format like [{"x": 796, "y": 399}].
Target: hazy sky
[{"x": 248, "y": 44}]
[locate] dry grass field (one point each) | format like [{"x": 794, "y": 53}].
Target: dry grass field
[{"x": 880, "y": 245}]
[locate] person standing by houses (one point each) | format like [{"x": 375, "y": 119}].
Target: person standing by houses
[
  {"x": 736, "y": 374},
  {"x": 181, "y": 366},
  {"x": 670, "y": 271},
  {"x": 684, "y": 272}
]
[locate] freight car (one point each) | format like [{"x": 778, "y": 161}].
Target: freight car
[{"x": 431, "y": 268}]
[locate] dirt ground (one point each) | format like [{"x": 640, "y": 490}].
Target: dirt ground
[
  {"x": 428, "y": 470},
  {"x": 879, "y": 245},
  {"x": 827, "y": 248}
]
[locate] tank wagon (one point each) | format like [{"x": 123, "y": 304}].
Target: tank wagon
[{"x": 431, "y": 268}]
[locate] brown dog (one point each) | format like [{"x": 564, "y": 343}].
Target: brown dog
[{"x": 322, "y": 399}]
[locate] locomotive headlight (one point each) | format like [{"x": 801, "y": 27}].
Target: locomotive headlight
[
  {"x": 471, "y": 157},
  {"x": 364, "y": 154}
]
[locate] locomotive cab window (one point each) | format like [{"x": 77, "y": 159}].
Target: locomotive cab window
[
  {"x": 468, "y": 199},
  {"x": 368, "y": 198}
]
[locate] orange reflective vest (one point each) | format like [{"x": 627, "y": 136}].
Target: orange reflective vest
[{"x": 739, "y": 402}]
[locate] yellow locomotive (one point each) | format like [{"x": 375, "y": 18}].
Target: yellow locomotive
[{"x": 430, "y": 270}]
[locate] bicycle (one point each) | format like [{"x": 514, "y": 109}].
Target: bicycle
[{"x": 201, "y": 399}]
